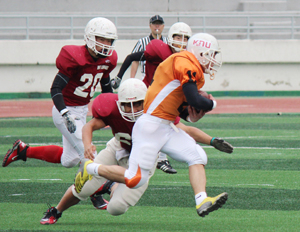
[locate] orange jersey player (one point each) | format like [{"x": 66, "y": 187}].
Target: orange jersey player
[{"x": 167, "y": 87}]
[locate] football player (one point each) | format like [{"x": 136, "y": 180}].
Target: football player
[
  {"x": 80, "y": 69},
  {"x": 119, "y": 111},
  {"x": 156, "y": 52},
  {"x": 175, "y": 84}
]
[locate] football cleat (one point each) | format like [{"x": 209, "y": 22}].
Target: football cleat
[
  {"x": 51, "y": 216},
  {"x": 82, "y": 176},
  {"x": 105, "y": 188},
  {"x": 99, "y": 202},
  {"x": 17, "y": 152},
  {"x": 210, "y": 204},
  {"x": 166, "y": 167}
]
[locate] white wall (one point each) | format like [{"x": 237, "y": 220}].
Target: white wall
[
  {"x": 100, "y": 6},
  {"x": 28, "y": 65}
]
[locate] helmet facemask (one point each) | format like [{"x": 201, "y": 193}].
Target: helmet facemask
[
  {"x": 212, "y": 62},
  {"x": 132, "y": 93},
  {"x": 106, "y": 50},
  {"x": 104, "y": 28},
  {"x": 178, "y": 46},
  {"x": 179, "y": 29},
  {"x": 130, "y": 116}
]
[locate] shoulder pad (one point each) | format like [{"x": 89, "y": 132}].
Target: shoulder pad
[{"x": 104, "y": 105}]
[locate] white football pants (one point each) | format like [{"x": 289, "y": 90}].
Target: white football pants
[
  {"x": 152, "y": 134},
  {"x": 73, "y": 148}
]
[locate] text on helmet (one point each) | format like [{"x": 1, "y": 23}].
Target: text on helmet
[{"x": 202, "y": 43}]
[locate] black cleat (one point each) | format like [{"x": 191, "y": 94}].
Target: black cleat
[
  {"x": 166, "y": 167},
  {"x": 105, "y": 188},
  {"x": 51, "y": 216},
  {"x": 99, "y": 202}
]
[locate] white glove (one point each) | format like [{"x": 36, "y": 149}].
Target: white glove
[
  {"x": 115, "y": 82},
  {"x": 69, "y": 122}
]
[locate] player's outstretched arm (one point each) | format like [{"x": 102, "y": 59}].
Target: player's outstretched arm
[
  {"x": 201, "y": 137},
  {"x": 87, "y": 136},
  {"x": 197, "y": 134},
  {"x": 137, "y": 56}
]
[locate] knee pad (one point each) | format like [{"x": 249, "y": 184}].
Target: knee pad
[
  {"x": 136, "y": 179},
  {"x": 69, "y": 162},
  {"x": 200, "y": 157}
]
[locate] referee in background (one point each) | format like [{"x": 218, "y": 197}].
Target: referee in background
[{"x": 156, "y": 24}]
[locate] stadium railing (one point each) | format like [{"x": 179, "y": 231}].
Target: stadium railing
[{"x": 223, "y": 26}]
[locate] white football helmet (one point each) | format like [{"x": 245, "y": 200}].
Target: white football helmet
[
  {"x": 130, "y": 91},
  {"x": 206, "y": 49},
  {"x": 101, "y": 27},
  {"x": 179, "y": 28}
]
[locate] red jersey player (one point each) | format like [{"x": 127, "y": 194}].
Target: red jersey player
[
  {"x": 80, "y": 69},
  {"x": 157, "y": 51},
  {"x": 120, "y": 112}
]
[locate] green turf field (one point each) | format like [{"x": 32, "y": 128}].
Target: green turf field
[{"x": 261, "y": 176}]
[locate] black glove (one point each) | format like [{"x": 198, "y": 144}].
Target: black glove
[
  {"x": 221, "y": 145},
  {"x": 115, "y": 82},
  {"x": 69, "y": 122}
]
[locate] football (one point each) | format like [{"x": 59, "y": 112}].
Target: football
[{"x": 203, "y": 93}]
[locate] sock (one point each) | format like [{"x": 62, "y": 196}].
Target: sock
[
  {"x": 51, "y": 153},
  {"x": 199, "y": 197},
  {"x": 161, "y": 157},
  {"x": 92, "y": 169}
]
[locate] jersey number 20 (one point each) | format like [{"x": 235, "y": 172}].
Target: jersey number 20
[{"x": 90, "y": 84}]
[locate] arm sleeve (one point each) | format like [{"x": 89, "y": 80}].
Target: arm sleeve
[
  {"x": 60, "y": 82},
  {"x": 137, "y": 56},
  {"x": 105, "y": 85},
  {"x": 194, "y": 99}
]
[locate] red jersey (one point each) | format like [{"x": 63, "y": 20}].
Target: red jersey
[
  {"x": 156, "y": 52},
  {"x": 84, "y": 73},
  {"x": 105, "y": 108}
]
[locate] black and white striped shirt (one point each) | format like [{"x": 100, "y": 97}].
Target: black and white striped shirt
[{"x": 141, "y": 46}]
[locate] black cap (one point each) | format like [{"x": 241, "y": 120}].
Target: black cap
[{"x": 156, "y": 18}]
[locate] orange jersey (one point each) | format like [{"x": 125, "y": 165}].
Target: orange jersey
[{"x": 165, "y": 96}]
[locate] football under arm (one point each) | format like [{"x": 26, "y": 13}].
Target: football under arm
[
  {"x": 137, "y": 56},
  {"x": 59, "y": 83},
  {"x": 194, "y": 99}
]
